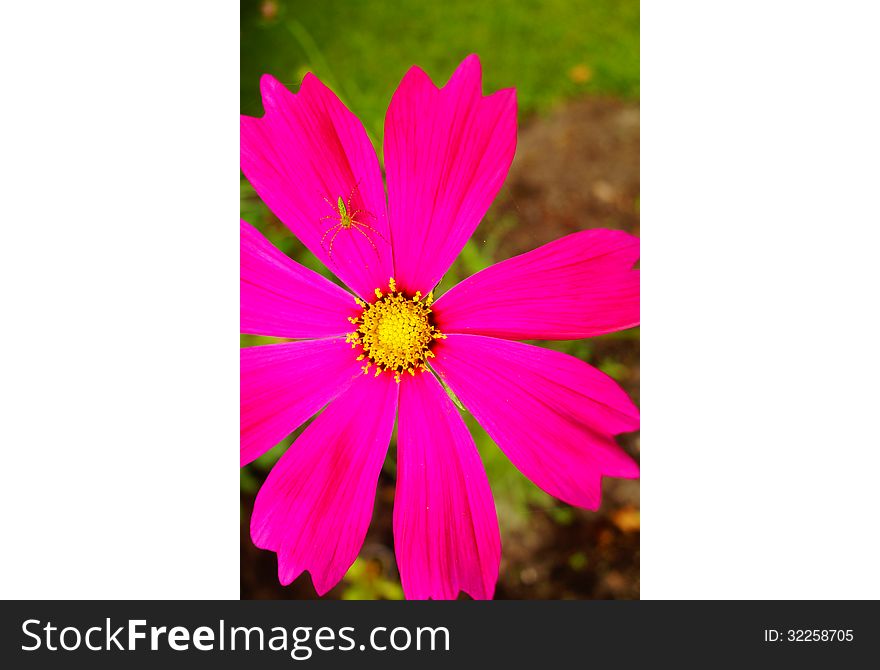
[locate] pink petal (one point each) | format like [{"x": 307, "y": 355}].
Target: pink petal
[
  {"x": 447, "y": 152},
  {"x": 445, "y": 529},
  {"x": 307, "y": 151},
  {"x": 316, "y": 504},
  {"x": 281, "y": 298},
  {"x": 578, "y": 286},
  {"x": 282, "y": 385},
  {"x": 552, "y": 414}
]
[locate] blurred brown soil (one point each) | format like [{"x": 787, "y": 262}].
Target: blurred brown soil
[{"x": 575, "y": 168}]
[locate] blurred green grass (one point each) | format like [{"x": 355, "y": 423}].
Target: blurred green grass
[
  {"x": 551, "y": 51},
  {"x": 362, "y": 49}
]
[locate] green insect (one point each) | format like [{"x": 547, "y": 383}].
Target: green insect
[{"x": 347, "y": 218}]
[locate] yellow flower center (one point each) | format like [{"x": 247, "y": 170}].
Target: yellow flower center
[{"x": 396, "y": 332}]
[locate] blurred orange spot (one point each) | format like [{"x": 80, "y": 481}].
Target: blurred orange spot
[
  {"x": 373, "y": 569},
  {"x": 615, "y": 581},
  {"x": 580, "y": 73},
  {"x": 627, "y": 519},
  {"x": 604, "y": 191},
  {"x": 269, "y": 9}
]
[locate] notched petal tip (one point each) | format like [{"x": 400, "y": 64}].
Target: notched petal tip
[
  {"x": 631, "y": 472},
  {"x": 269, "y": 86},
  {"x": 285, "y": 577},
  {"x": 289, "y": 573},
  {"x": 471, "y": 60},
  {"x": 504, "y": 97},
  {"x": 469, "y": 73},
  {"x": 416, "y": 77},
  {"x": 311, "y": 83},
  {"x": 323, "y": 586},
  {"x": 273, "y": 90}
]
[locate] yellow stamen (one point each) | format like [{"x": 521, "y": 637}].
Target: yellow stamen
[{"x": 396, "y": 332}]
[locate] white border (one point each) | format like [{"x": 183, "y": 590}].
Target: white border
[
  {"x": 760, "y": 364},
  {"x": 120, "y": 300}
]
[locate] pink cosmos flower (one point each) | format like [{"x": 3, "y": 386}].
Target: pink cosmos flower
[{"x": 447, "y": 152}]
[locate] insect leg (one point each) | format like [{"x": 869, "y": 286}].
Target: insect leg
[
  {"x": 367, "y": 225},
  {"x": 333, "y": 239},
  {"x": 337, "y": 227},
  {"x": 372, "y": 244}
]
